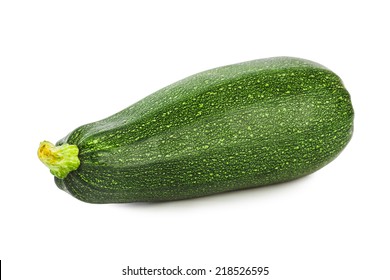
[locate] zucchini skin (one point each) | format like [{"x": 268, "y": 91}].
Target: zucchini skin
[{"x": 239, "y": 126}]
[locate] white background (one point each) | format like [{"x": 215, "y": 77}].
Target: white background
[{"x": 67, "y": 63}]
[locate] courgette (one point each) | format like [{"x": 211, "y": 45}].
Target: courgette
[{"x": 234, "y": 127}]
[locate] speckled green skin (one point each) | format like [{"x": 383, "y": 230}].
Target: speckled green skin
[{"x": 245, "y": 125}]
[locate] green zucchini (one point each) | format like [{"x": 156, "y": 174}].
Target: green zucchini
[{"x": 234, "y": 127}]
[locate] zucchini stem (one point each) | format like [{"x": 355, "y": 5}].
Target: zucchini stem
[{"x": 60, "y": 159}]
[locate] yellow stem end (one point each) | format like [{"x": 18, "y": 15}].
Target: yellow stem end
[{"x": 59, "y": 159}]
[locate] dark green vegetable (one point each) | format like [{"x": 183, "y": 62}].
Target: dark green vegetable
[{"x": 240, "y": 126}]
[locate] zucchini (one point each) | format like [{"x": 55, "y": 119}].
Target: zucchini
[{"x": 234, "y": 127}]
